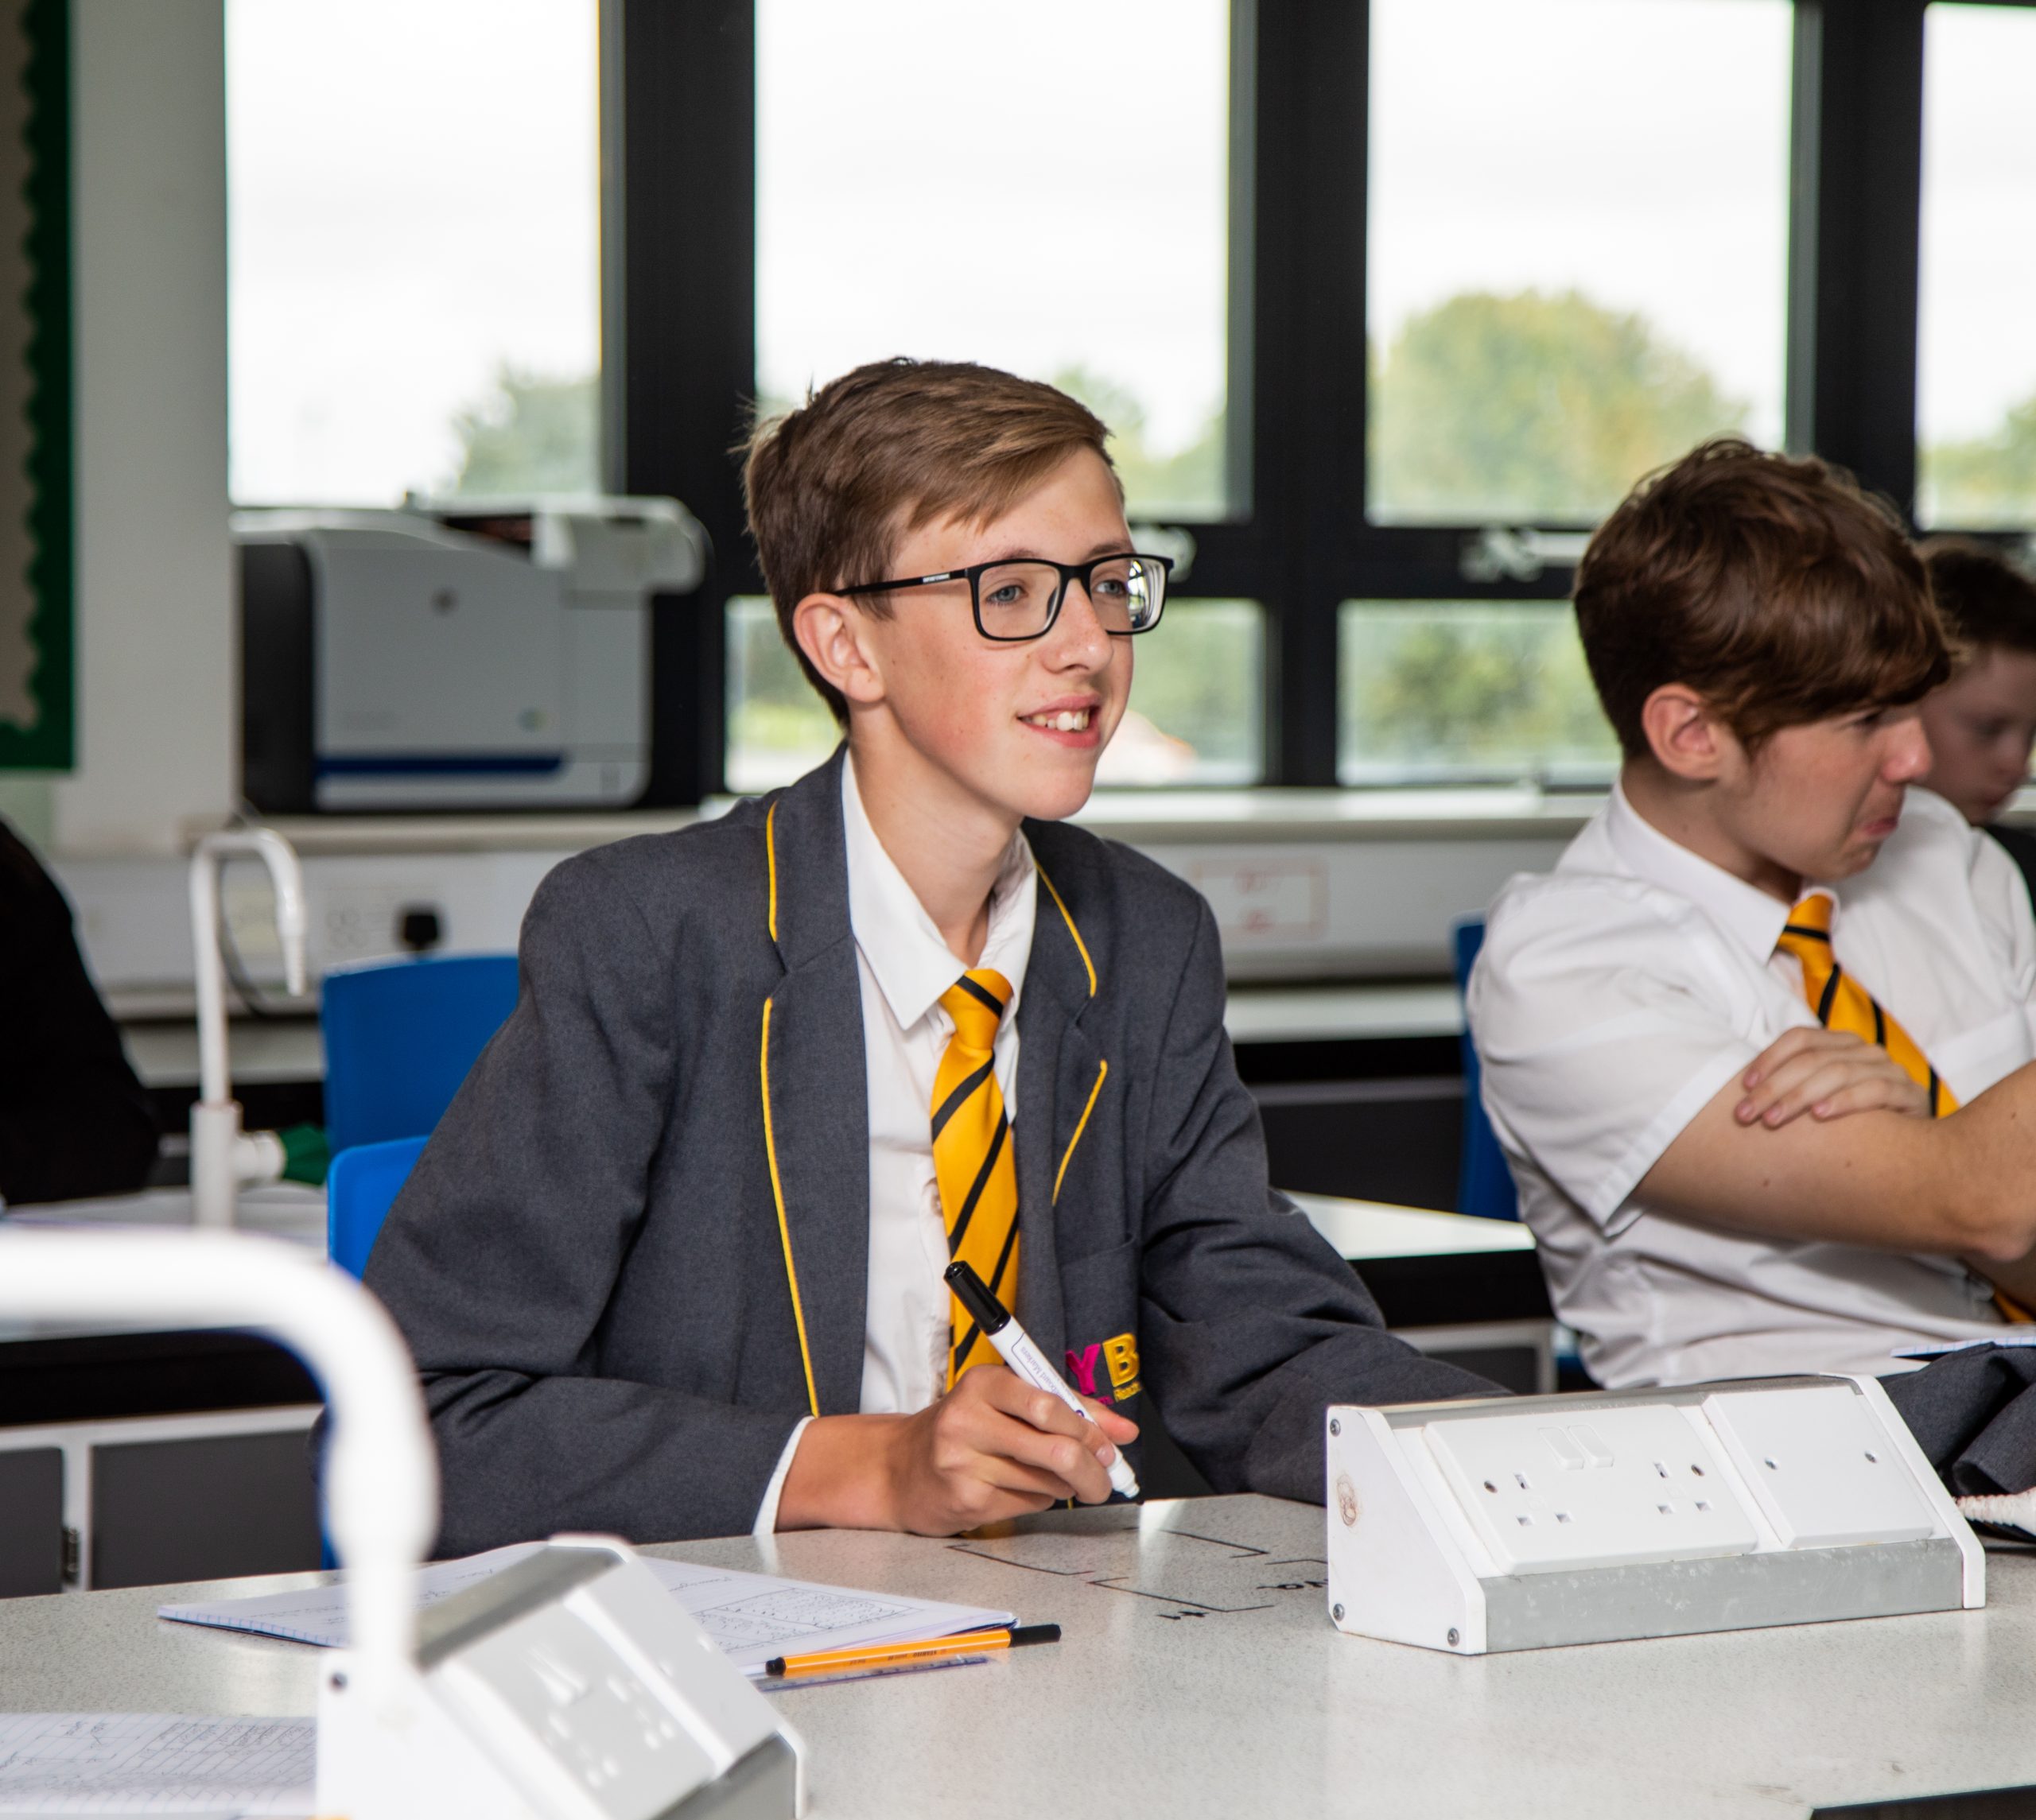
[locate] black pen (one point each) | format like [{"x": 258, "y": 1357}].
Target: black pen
[{"x": 1000, "y": 1328}]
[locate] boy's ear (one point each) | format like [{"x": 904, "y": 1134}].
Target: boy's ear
[
  {"x": 830, "y": 629},
  {"x": 1688, "y": 738}
]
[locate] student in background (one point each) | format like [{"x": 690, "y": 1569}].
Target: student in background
[
  {"x": 74, "y": 1121},
  {"x": 671, "y": 1265},
  {"x": 1982, "y": 722},
  {"x": 1758, "y": 1050}
]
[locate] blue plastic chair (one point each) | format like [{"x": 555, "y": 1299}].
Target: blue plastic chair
[
  {"x": 1484, "y": 1184},
  {"x": 360, "y": 1187},
  {"x": 401, "y": 1036}
]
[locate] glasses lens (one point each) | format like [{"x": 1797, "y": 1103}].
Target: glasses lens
[
  {"x": 1127, "y": 591},
  {"x": 1015, "y": 600}
]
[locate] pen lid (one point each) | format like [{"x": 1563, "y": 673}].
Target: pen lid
[{"x": 976, "y": 1296}]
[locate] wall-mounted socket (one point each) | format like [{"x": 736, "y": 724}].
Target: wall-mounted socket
[{"x": 1602, "y": 1487}]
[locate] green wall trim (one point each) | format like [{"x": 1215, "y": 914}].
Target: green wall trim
[{"x": 51, "y": 745}]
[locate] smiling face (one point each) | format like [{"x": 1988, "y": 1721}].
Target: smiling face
[
  {"x": 1981, "y": 724},
  {"x": 1819, "y": 800},
  {"x": 1002, "y": 731}
]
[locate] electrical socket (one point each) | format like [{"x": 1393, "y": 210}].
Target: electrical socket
[
  {"x": 1818, "y": 1467},
  {"x": 1597, "y": 1487}
]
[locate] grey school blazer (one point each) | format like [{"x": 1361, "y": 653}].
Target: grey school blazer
[{"x": 635, "y": 1251}]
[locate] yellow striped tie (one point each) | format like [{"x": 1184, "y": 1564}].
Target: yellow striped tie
[
  {"x": 971, "y": 1159},
  {"x": 1842, "y": 1003}
]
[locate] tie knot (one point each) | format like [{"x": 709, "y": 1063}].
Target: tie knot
[
  {"x": 976, "y": 1002},
  {"x": 1809, "y": 921}
]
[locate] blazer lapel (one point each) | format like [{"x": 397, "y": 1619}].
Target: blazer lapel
[
  {"x": 819, "y": 1102},
  {"x": 1056, "y": 1067}
]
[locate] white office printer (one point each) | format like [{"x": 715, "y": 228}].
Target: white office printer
[{"x": 476, "y": 653}]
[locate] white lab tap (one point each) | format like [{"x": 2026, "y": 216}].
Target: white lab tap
[
  {"x": 381, "y": 1478},
  {"x": 573, "y": 1684},
  {"x": 222, "y": 1156}
]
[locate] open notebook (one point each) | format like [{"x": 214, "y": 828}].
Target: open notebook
[{"x": 753, "y": 1617}]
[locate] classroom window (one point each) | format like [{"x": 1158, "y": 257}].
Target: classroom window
[
  {"x": 1577, "y": 241},
  {"x": 1197, "y": 713},
  {"x": 1975, "y": 353},
  {"x": 1198, "y": 699},
  {"x": 778, "y": 728},
  {"x": 1049, "y": 196},
  {"x": 1468, "y": 692},
  {"x": 413, "y": 241}
]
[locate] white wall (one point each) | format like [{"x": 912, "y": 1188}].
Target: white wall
[{"x": 156, "y": 637}]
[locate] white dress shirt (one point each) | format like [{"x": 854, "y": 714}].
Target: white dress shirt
[
  {"x": 1617, "y": 996},
  {"x": 905, "y": 965}
]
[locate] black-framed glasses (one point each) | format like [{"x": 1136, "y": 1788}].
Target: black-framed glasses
[{"x": 1020, "y": 598}]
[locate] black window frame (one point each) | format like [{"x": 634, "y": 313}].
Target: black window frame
[{"x": 679, "y": 116}]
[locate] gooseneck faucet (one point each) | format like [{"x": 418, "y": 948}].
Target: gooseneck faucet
[{"x": 222, "y": 1155}]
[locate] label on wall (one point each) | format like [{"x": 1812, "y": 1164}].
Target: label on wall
[{"x": 1278, "y": 898}]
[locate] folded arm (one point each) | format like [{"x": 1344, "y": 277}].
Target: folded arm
[{"x": 1959, "y": 1186}]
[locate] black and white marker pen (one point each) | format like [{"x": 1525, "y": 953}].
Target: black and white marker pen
[{"x": 1015, "y": 1345}]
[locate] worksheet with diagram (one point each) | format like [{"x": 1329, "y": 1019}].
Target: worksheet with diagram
[
  {"x": 753, "y": 1617},
  {"x": 132, "y": 1764}
]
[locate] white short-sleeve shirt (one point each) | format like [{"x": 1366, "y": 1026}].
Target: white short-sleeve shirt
[{"x": 1617, "y": 995}]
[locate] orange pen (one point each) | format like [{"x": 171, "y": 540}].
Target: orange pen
[{"x": 888, "y": 1655}]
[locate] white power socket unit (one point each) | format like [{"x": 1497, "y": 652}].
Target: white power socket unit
[
  {"x": 1620, "y": 1485},
  {"x": 1520, "y": 1523}
]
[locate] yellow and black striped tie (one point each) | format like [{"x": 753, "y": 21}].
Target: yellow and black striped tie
[
  {"x": 1842, "y": 1003},
  {"x": 972, "y": 1160}
]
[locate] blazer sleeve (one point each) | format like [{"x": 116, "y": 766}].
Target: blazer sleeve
[
  {"x": 1250, "y": 1324},
  {"x": 499, "y": 1257}
]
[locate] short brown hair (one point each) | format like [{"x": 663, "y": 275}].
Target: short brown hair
[
  {"x": 1983, "y": 599},
  {"x": 1776, "y": 588},
  {"x": 832, "y": 486}
]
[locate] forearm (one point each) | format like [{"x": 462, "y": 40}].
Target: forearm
[
  {"x": 1991, "y": 1176},
  {"x": 1956, "y": 1186},
  {"x": 842, "y": 1476}
]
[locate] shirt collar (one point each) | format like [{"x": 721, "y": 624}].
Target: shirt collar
[
  {"x": 912, "y": 964},
  {"x": 1746, "y": 912}
]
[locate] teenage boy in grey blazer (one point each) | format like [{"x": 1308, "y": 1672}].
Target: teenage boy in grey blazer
[{"x": 670, "y": 1265}]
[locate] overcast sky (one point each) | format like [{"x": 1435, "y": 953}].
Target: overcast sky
[
  {"x": 412, "y": 199},
  {"x": 412, "y": 188},
  {"x": 1636, "y": 150},
  {"x": 1978, "y": 292}
]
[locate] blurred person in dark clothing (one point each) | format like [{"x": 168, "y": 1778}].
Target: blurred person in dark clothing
[
  {"x": 74, "y": 1121},
  {"x": 1982, "y": 722}
]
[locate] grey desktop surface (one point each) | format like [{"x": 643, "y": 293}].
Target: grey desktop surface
[{"x": 1199, "y": 1676}]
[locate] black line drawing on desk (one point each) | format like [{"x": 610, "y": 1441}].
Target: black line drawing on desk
[{"x": 1293, "y": 1574}]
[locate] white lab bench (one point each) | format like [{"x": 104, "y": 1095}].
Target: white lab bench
[
  {"x": 1198, "y": 1676},
  {"x": 1481, "y": 1277}
]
